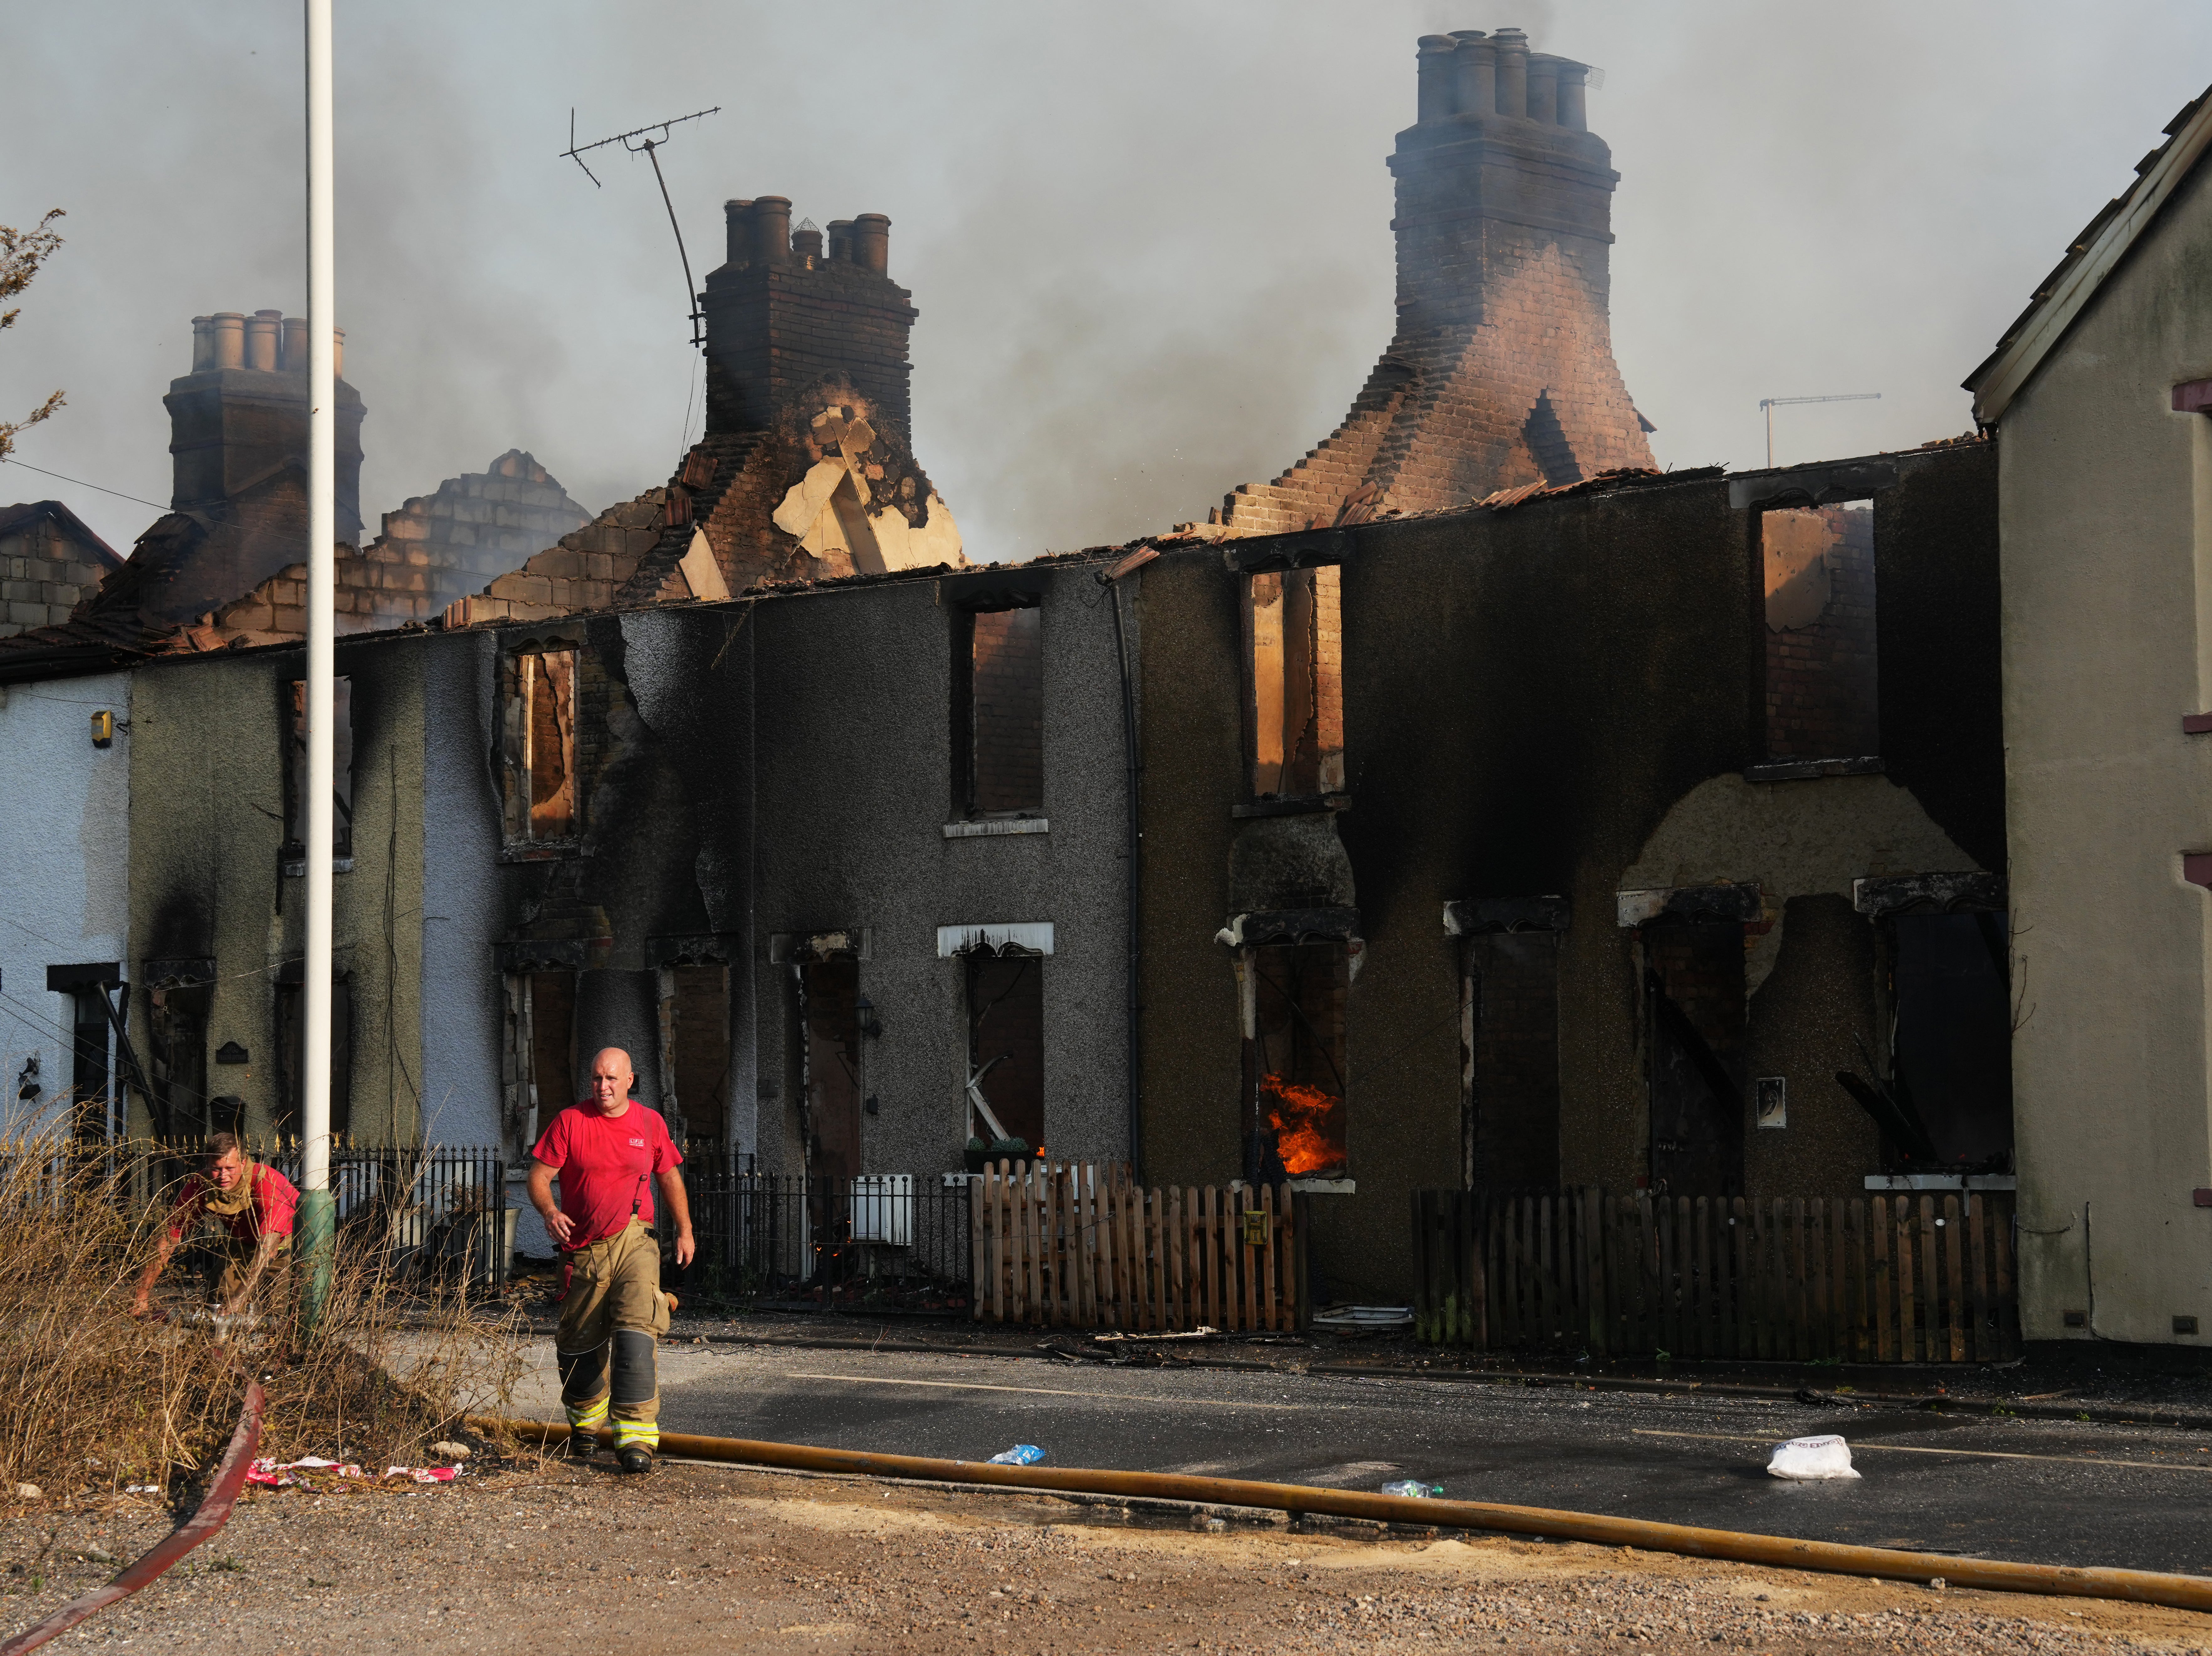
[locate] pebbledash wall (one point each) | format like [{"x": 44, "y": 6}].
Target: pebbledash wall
[
  {"x": 2107, "y": 514},
  {"x": 64, "y": 863},
  {"x": 1560, "y": 698}
]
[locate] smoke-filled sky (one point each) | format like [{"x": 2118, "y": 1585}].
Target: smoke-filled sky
[{"x": 1149, "y": 239}]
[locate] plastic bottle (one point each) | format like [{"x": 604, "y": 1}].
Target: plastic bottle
[
  {"x": 1022, "y": 1454},
  {"x": 1414, "y": 1489}
]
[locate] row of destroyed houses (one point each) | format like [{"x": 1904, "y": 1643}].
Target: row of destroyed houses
[{"x": 1473, "y": 806}]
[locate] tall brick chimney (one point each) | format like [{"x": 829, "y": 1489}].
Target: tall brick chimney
[
  {"x": 242, "y": 415},
  {"x": 782, "y": 315},
  {"x": 1501, "y": 370}
]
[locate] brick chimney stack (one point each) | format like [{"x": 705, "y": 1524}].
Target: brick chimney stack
[
  {"x": 784, "y": 313},
  {"x": 241, "y": 414},
  {"x": 1501, "y": 369}
]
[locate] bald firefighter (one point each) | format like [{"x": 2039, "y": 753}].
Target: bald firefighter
[{"x": 610, "y": 1151}]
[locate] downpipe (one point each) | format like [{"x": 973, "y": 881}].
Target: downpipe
[{"x": 1775, "y": 1552}]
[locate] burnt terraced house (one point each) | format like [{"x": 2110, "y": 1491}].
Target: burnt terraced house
[{"x": 1472, "y": 808}]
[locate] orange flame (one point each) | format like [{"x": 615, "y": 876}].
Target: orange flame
[{"x": 1308, "y": 1126}]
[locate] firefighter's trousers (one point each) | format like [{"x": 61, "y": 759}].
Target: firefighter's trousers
[{"x": 611, "y": 1322}]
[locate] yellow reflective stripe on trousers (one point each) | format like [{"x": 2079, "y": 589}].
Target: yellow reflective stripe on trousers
[
  {"x": 588, "y": 1419},
  {"x": 637, "y": 1435}
]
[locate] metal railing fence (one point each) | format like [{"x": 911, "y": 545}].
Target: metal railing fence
[{"x": 881, "y": 1241}]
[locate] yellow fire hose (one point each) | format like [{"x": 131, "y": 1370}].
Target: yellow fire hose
[{"x": 1780, "y": 1552}]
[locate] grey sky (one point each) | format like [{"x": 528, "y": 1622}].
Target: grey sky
[{"x": 1148, "y": 240}]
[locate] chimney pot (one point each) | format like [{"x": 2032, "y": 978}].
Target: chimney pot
[
  {"x": 871, "y": 242},
  {"x": 1433, "y": 100},
  {"x": 841, "y": 238},
  {"x": 202, "y": 343},
  {"x": 1574, "y": 106},
  {"x": 229, "y": 338},
  {"x": 261, "y": 331},
  {"x": 737, "y": 232},
  {"x": 1512, "y": 45},
  {"x": 1544, "y": 89},
  {"x": 806, "y": 245},
  {"x": 772, "y": 230},
  {"x": 292, "y": 356},
  {"x": 1475, "y": 75}
]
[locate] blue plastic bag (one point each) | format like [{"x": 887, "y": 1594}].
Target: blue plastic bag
[{"x": 1022, "y": 1454}]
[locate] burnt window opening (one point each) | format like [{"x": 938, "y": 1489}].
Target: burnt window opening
[
  {"x": 92, "y": 1113},
  {"x": 178, "y": 1059},
  {"x": 1005, "y": 1052},
  {"x": 1296, "y": 1125},
  {"x": 1512, "y": 1007},
  {"x": 291, "y": 1050},
  {"x": 1694, "y": 1018},
  {"x": 997, "y": 715},
  {"x": 695, "y": 1047},
  {"x": 1822, "y": 673},
  {"x": 1547, "y": 443},
  {"x": 541, "y": 745},
  {"x": 541, "y": 1055},
  {"x": 1295, "y": 685},
  {"x": 828, "y": 1008},
  {"x": 1947, "y": 1101},
  {"x": 295, "y": 769}
]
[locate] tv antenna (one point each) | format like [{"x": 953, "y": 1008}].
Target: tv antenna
[
  {"x": 1768, "y": 405},
  {"x": 646, "y": 146}
]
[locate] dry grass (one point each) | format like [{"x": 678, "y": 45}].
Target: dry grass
[{"x": 92, "y": 1399}]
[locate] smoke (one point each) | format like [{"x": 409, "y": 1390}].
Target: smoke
[{"x": 1150, "y": 242}]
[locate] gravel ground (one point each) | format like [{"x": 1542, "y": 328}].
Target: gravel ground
[{"x": 712, "y": 1559}]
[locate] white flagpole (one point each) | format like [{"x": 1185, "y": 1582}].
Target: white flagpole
[{"x": 316, "y": 1215}]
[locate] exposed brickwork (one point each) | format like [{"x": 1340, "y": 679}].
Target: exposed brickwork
[
  {"x": 50, "y": 562},
  {"x": 583, "y": 570},
  {"x": 433, "y": 549},
  {"x": 1822, "y": 680},
  {"x": 1501, "y": 372}
]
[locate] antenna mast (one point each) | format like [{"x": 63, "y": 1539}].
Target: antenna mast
[
  {"x": 1768, "y": 405},
  {"x": 576, "y": 153}
]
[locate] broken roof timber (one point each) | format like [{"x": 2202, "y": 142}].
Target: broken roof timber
[{"x": 2094, "y": 256}]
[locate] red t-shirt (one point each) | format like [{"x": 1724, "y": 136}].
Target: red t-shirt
[
  {"x": 269, "y": 1212},
  {"x": 606, "y": 1165}
]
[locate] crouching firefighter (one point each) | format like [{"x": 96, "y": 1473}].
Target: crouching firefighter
[{"x": 610, "y": 1151}]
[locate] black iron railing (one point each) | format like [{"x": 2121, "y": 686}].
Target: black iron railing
[{"x": 881, "y": 1242}]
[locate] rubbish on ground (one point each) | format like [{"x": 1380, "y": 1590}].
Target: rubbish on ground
[
  {"x": 1414, "y": 1489},
  {"x": 270, "y": 1475},
  {"x": 1022, "y": 1454},
  {"x": 142, "y": 1488},
  {"x": 1806, "y": 1459},
  {"x": 1201, "y": 1332},
  {"x": 451, "y": 1451},
  {"x": 1364, "y": 1316},
  {"x": 29, "y": 1492}
]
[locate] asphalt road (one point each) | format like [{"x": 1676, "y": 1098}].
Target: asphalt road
[{"x": 2044, "y": 1492}]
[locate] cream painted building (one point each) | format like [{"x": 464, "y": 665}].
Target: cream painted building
[{"x": 2106, "y": 490}]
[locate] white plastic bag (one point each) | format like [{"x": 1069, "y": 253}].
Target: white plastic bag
[{"x": 1810, "y": 1458}]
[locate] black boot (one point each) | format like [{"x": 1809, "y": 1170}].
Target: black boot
[{"x": 633, "y": 1458}]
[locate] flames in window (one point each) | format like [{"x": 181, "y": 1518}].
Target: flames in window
[{"x": 1308, "y": 1124}]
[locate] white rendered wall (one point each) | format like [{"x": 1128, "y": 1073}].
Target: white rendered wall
[{"x": 64, "y": 860}]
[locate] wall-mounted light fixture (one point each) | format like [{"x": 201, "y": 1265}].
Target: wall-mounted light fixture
[
  {"x": 103, "y": 728},
  {"x": 27, "y": 1084},
  {"x": 870, "y": 1024}
]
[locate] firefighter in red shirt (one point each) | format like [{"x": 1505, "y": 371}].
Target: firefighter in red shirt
[
  {"x": 255, "y": 1204},
  {"x": 610, "y": 1151}
]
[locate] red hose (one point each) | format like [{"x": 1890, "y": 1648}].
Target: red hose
[{"x": 214, "y": 1513}]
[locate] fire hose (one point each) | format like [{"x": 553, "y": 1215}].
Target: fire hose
[
  {"x": 1780, "y": 1552},
  {"x": 212, "y": 1514}
]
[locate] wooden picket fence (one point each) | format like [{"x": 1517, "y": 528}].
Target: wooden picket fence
[
  {"x": 1910, "y": 1279},
  {"x": 1075, "y": 1246}
]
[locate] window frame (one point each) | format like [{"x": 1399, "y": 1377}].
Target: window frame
[
  {"x": 515, "y": 734},
  {"x": 963, "y": 745}
]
